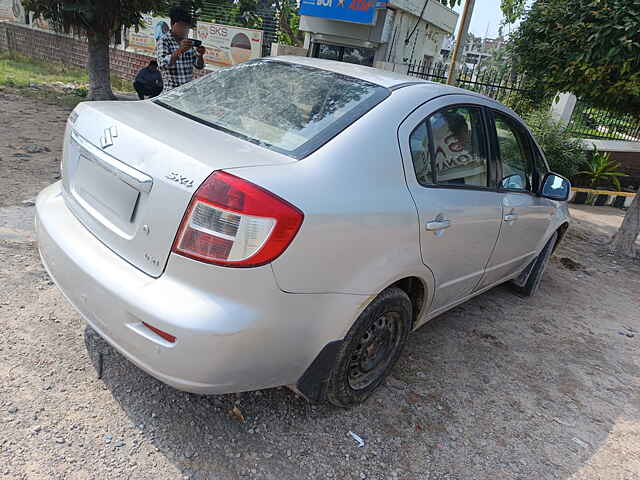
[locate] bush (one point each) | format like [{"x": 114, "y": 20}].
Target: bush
[
  {"x": 564, "y": 153},
  {"x": 81, "y": 91},
  {"x": 520, "y": 104}
]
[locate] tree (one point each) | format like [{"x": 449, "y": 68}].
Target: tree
[
  {"x": 624, "y": 241},
  {"x": 592, "y": 49},
  {"x": 512, "y": 10},
  {"x": 588, "y": 47},
  {"x": 499, "y": 61},
  {"x": 288, "y": 23},
  {"x": 98, "y": 21}
]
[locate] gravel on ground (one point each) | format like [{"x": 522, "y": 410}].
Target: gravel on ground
[{"x": 501, "y": 387}]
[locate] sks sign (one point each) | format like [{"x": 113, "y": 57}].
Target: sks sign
[{"x": 356, "y": 11}]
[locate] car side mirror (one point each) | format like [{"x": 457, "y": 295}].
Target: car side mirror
[
  {"x": 555, "y": 187},
  {"x": 514, "y": 182}
]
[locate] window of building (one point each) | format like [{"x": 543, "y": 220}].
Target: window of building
[{"x": 357, "y": 55}]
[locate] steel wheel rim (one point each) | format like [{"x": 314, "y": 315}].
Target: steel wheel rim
[{"x": 375, "y": 350}]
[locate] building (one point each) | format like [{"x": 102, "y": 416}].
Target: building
[
  {"x": 383, "y": 34},
  {"x": 476, "y": 50}
]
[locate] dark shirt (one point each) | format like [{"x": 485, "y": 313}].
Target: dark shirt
[{"x": 149, "y": 77}]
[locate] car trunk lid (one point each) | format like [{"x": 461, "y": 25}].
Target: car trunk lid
[{"x": 131, "y": 168}]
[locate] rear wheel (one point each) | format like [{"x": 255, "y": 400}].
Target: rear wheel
[
  {"x": 371, "y": 348},
  {"x": 529, "y": 281}
]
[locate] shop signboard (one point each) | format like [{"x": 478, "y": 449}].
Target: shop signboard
[
  {"x": 355, "y": 11},
  {"x": 12, "y": 10},
  {"x": 144, "y": 40},
  {"x": 227, "y": 45}
]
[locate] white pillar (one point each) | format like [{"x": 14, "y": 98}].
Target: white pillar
[{"x": 562, "y": 107}]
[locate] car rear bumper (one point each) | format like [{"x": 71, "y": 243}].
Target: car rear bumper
[{"x": 235, "y": 330}]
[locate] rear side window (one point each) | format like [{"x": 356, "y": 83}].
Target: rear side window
[
  {"x": 420, "y": 154},
  {"x": 289, "y": 108},
  {"x": 515, "y": 155},
  {"x": 450, "y": 149}
]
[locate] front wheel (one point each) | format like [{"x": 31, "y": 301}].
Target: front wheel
[{"x": 371, "y": 348}]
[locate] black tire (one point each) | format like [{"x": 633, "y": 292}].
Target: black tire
[
  {"x": 370, "y": 349},
  {"x": 530, "y": 287}
]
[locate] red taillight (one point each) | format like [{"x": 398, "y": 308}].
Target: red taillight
[
  {"x": 168, "y": 337},
  {"x": 235, "y": 223}
]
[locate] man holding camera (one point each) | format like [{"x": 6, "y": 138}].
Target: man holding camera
[{"x": 177, "y": 55}]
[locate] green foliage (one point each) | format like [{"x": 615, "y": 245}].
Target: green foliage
[
  {"x": 46, "y": 81},
  {"x": 588, "y": 47},
  {"x": 521, "y": 104},
  {"x": 289, "y": 32},
  {"x": 600, "y": 170},
  {"x": 20, "y": 71},
  {"x": 92, "y": 17},
  {"x": 242, "y": 13},
  {"x": 248, "y": 13},
  {"x": 81, "y": 91},
  {"x": 499, "y": 62},
  {"x": 512, "y": 9},
  {"x": 564, "y": 153}
]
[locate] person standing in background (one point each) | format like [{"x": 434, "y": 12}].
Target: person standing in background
[{"x": 176, "y": 54}]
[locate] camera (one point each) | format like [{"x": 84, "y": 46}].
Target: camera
[{"x": 196, "y": 43}]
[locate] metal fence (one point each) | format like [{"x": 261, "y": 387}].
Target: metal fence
[
  {"x": 264, "y": 18},
  {"x": 501, "y": 84},
  {"x": 591, "y": 122}
]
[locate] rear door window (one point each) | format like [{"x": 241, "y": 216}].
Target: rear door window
[{"x": 450, "y": 149}]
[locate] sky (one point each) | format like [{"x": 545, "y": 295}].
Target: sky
[{"x": 486, "y": 13}]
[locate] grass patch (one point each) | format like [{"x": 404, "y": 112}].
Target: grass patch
[
  {"x": 21, "y": 73},
  {"x": 118, "y": 84},
  {"x": 589, "y": 132},
  {"x": 46, "y": 96}
]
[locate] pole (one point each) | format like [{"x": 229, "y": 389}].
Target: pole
[{"x": 465, "y": 19}]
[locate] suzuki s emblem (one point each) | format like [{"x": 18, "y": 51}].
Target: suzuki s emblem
[{"x": 109, "y": 134}]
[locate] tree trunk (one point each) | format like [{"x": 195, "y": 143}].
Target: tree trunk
[
  {"x": 624, "y": 241},
  {"x": 98, "y": 66}
]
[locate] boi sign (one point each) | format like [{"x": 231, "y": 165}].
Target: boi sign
[{"x": 356, "y": 11}]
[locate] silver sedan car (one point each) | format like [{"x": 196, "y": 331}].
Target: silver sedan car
[{"x": 289, "y": 221}]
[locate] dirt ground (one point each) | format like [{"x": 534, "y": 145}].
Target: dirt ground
[{"x": 499, "y": 388}]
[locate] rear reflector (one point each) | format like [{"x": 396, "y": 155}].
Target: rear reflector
[
  {"x": 169, "y": 338},
  {"x": 234, "y": 223}
]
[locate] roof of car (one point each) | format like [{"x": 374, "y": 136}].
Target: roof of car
[
  {"x": 378, "y": 76},
  {"x": 385, "y": 78}
]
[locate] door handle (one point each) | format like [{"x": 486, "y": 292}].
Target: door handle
[
  {"x": 437, "y": 225},
  {"x": 510, "y": 217}
]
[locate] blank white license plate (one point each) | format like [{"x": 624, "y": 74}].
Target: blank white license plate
[{"x": 104, "y": 191}]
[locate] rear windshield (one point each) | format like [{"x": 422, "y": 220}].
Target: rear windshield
[{"x": 290, "y": 108}]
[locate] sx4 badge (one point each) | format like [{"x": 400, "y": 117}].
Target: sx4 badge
[{"x": 184, "y": 181}]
